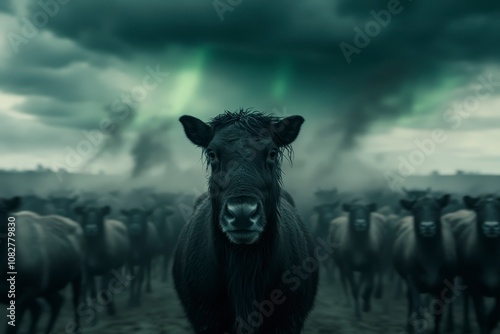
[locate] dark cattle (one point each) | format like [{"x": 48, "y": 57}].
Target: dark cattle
[
  {"x": 320, "y": 225},
  {"x": 237, "y": 250},
  {"x": 424, "y": 256},
  {"x": 107, "y": 249},
  {"x": 49, "y": 256},
  {"x": 179, "y": 216},
  {"x": 167, "y": 235},
  {"x": 324, "y": 214},
  {"x": 477, "y": 234},
  {"x": 359, "y": 237},
  {"x": 144, "y": 245},
  {"x": 392, "y": 221}
]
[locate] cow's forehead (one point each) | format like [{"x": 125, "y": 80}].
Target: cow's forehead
[{"x": 233, "y": 133}]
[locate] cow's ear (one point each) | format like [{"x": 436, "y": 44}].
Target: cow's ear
[
  {"x": 198, "y": 132},
  {"x": 444, "y": 200},
  {"x": 470, "y": 202},
  {"x": 287, "y": 130},
  {"x": 406, "y": 204},
  {"x": 105, "y": 210},
  {"x": 13, "y": 203}
]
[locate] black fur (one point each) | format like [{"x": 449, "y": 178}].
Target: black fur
[
  {"x": 478, "y": 257},
  {"x": 219, "y": 281},
  {"x": 107, "y": 249},
  {"x": 360, "y": 249},
  {"x": 425, "y": 257},
  {"x": 168, "y": 236},
  {"x": 49, "y": 256},
  {"x": 145, "y": 245}
]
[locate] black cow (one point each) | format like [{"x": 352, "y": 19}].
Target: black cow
[
  {"x": 108, "y": 249},
  {"x": 324, "y": 214},
  {"x": 360, "y": 238},
  {"x": 145, "y": 245},
  {"x": 477, "y": 234},
  {"x": 425, "y": 257},
  {"x": 160, "y": 217},
  {"x": 235, "y": 254},
  {"x": 49, "y": 256}
]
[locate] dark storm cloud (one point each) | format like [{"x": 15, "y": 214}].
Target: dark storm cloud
[
  {"x": 46, "y": 52},
  {"x": 77, "y": 84},
  {"x": 426, "y": 41},
  {"x": 123, "y": 26},
  {"x": 5, "y": 6},
  {"x": 55, "y": 112},
  {"x": 414, "y": 49},
  {"x": 282, "y": 26}
]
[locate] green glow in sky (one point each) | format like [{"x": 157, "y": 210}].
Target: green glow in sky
[
  {"x": 282, "y": 81},
  {"x": 187, "y": 81},
  {"x": 434, "y": 99}
]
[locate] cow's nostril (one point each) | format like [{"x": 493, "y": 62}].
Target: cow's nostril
[{"x": 241, "y": 215}]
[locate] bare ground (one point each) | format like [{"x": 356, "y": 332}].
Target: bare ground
[{"x": 161, "y": 313}]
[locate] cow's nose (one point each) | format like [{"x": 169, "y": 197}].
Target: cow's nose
[{"x": 241, "y": 213}]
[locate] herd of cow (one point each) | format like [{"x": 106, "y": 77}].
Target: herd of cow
[
  {"x": 63, "y": 240},
  {"x": 234, "y": 251},
  {"x": 437, "y": 246}
]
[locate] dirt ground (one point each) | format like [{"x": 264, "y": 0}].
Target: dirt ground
[{"x": 161, "y": 313}]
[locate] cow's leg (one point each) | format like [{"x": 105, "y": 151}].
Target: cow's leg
[
  {"x": 494, "y": 317},
  {"x": 110, "y": 305},
  {"x": 481, "y": 315},
  {"x": 140, "y": 281},
  {"x": 379, "y": 289},
  {"x": 415, "y": 321},
  {"x": 92, "y": 297},
  {"x": 450, "y": 323},
  {"x": 354, "y": 291},
  {"x": 132, "y": 286},
  {"x": 466, "y": 314},
  {"x": 23, "y": 303},
  {"x": 55, "y": 301},
  {"x": 35, "y": 311},
  {"x": 148, "y": 276},
  {"x": 76, "y": 286},
  {"x": 368, "y": 278},
  {"x": 165, "y": 265}
]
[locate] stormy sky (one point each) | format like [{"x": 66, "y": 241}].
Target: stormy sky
[{"x": 376, "y": 81}]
